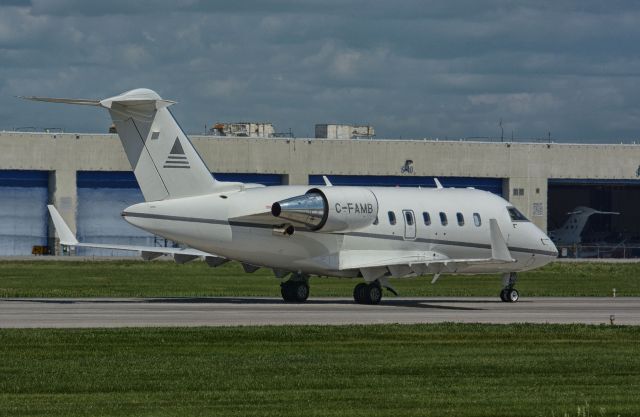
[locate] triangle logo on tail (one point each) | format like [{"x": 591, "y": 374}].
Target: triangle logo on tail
[{"x": 176, "y": 157}]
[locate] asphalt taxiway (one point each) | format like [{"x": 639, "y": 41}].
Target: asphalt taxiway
[{"x": 225, "y": 311}]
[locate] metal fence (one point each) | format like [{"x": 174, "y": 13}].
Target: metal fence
[{"x": 619, "y": 251}]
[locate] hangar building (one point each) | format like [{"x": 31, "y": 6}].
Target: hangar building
[{"x": 88, "y": 178}]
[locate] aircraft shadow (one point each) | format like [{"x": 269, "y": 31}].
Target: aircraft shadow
[
  {"x": 427, "y": 303},
  {"x": 413, "y": 303}
]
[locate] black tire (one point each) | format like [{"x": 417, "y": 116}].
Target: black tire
[
  {"x": 294, "y": 292},
  {"x": 503, "y": 295},
  {"x": 513, "y": 295},
  {"x": 358, "y": 293},
  {"x": 373, "y": 294},
  {"x": 300, "y": 292},
  {"x": 285, "y": 291}
]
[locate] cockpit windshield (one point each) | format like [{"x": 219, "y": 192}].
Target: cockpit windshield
[{"x": 515, "y": 215}]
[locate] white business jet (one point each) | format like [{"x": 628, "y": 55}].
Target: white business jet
[{"x": 298, "y": 231}]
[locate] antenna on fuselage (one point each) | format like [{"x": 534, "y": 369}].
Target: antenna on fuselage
[{"x": 437, "y": 181}]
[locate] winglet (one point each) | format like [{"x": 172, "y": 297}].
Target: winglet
[
  {"x": 66, "y": 235},
  {"x": 326, "y": 181},
  {"x": 437, "y": 181},
  {"x": 499, "y": 249}
]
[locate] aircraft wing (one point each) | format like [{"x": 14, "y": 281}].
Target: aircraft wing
[
  {"x": 401, "y": 263},
  {"x": 180, "y": 255},
  {"x": 411, "y": 261}
]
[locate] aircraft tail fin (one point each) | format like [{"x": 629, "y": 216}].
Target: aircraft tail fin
[{"x": 163, "y": 159}]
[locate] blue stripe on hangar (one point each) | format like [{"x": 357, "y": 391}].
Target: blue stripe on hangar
[
  {"x": 126, "y": 179},
  {"x": 493, "y": 185},
  {"x": 24, "y": 178},
  {"x": 106, "y": 179}
]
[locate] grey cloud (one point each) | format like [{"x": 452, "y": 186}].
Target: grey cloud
[{"x": 411, "y": 68}]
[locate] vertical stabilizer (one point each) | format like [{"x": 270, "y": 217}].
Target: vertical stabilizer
[{"x": 163, "y": 159}]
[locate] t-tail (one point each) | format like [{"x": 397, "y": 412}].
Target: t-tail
[
  {"x": 570, "y": 233},
  {"x": 162, "y": 157}
]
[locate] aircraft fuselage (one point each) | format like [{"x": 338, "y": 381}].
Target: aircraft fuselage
[{"x": 208, "y": 223}]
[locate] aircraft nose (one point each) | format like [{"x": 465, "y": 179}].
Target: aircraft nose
[
  {"x": 554, "y": 248},
  {"x": 548, "y": 245}
]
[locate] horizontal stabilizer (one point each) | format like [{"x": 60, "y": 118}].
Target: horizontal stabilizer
[
  {"x": 134, "y": 98},
  {"x": 78, "y": 101}
]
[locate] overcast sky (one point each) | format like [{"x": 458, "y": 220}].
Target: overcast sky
[{"x": 412, "y": 69}]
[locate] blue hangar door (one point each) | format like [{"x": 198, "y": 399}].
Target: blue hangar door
[
  {"x": 23, "y": 211},
  {"x": 102, "y": 195},
  {"x": 493, "y": 185}
]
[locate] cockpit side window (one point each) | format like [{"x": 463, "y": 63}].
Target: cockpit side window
[{"x": 515, "y": 215}]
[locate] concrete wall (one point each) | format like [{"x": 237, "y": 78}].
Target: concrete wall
[{"x": 526, "y": 166}]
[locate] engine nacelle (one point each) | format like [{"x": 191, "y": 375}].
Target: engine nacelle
[{"x": 330, "y": 209}]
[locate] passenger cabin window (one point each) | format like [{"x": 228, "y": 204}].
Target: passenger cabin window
[
  {"x": 426, "y": 218},
  {"x": 409, "y": 217},
  {"x": 392, "y": 218},
  {"x": 477, "y": 220},
  {"x": 515, "y": 215},
  {"x": 443, "y": 218},
  {"x": 460, "y": 218}
]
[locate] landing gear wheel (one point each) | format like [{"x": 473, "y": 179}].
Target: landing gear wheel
[
  {"x": 358, "y": 293},
  {"x": 509, "y": 295},
  {"x": 367, "y": 293},
  {"x": 374, "y": 294},
  {"x": 294, "y": 291}
]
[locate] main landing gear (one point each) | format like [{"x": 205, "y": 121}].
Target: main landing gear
[
  {"x": 508, "y": 293},
  {"x": 296, "y": 289},
  {"x": 368, "y": 293}
]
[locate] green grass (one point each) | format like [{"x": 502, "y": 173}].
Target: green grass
[
  {"x": 137, "y": 279},
  {"x": 381, "y": 370}
]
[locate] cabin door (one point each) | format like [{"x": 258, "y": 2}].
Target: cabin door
[{"x": 409, "y": 224}]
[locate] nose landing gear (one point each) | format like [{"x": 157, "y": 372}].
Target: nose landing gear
[{"x": 508, "y": 293}]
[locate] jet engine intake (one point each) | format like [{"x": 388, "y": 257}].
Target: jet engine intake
[{"x": 330, "y": 209}]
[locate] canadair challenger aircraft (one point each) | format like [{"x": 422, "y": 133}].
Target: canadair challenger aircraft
[{"x": 371, "y": 233}]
